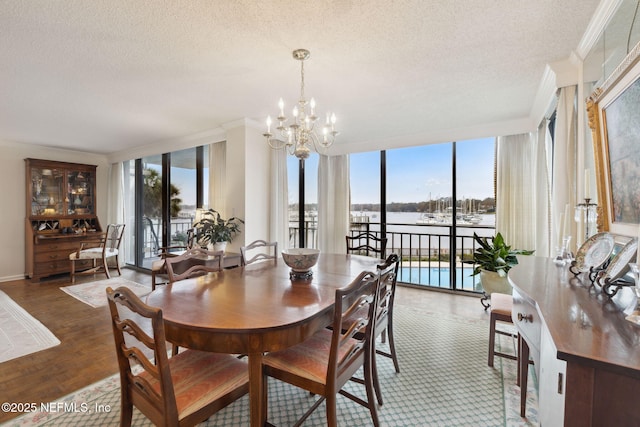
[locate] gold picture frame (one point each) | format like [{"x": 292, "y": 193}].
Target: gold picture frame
[{"x": 614, "y": 119}]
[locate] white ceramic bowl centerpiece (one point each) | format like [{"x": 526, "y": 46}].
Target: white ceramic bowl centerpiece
[{"x": 301, "y": 260}]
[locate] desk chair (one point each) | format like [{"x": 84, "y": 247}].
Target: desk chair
[
  {"x": 185, "y": 389},
  {"x": 99, "y": 251}
]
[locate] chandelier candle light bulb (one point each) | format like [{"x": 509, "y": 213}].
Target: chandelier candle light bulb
[{"x": 299, "y": 137}]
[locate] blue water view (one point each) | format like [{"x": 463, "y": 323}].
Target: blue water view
[{"x": 439, "y": 277}]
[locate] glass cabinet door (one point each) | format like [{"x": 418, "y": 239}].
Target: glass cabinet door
[
  {"x": 80, "y": 197},
  {"x": 47, "y": 192}
]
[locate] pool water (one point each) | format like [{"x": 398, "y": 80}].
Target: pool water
[{"x": 440, "y": 277}]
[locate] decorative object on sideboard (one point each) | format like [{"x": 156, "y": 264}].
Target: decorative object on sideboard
[{"x": 593, "y": 255}]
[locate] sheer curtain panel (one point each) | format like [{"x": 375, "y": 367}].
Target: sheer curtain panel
[
  {"x": 279, "y": 207},
  {"x": 333, "y": 203},
  {"x": 564, "y": 168},
  {"x": 115, "y": 203}
]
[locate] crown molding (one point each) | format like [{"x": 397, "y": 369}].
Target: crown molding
[{"x": 597, "y": 24}]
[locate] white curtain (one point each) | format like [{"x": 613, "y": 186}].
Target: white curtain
[
  {"x": 564, "y": 168},
  {"x": 279, "y": 206},
  {"x": 218, "y": 177},
  {"x": 522, "y": 191},
  {"x": 115, "y": 204},
  {"x": 333, "y": 203}
]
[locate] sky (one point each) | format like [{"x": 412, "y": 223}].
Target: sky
[{"x": 413, "y": 174}]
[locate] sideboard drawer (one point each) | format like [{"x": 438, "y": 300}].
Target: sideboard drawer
[{"x": 525, "y": 317}]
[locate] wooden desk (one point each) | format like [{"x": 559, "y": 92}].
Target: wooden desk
[
  {"x": 255, "y": 309},
  {"x": 580, "y": 334}
]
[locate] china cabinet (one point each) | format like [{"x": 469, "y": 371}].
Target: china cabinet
[{"x": 60, "y": 214}]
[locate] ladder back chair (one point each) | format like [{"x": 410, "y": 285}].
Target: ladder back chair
[
  {"x": 99, "y": 252},
  {"x": 366, "y": 243},
  {"x": 326, "y": 361},
  {"x": 183, "y": 390},
  {"x": 259, "y": 250},
  {"x": 193, "y": 262},
  {"x": 159, "y": 268},
  {"x": 383, "y": 316}
]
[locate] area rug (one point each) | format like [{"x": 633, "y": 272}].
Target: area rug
[
  {"x": 444, "y": 381},
  {"x": 94, "y": 293},
  {"x": 21, "y": 333}
]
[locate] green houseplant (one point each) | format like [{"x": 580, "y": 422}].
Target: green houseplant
[
  {"x": 493, "y": 259},
  {"x": 212, "y": 228}
]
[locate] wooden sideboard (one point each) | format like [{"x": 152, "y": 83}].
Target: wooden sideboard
[{"x": 586, "y": 355}]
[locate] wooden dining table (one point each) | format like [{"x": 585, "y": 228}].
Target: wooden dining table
[{"x": 255, "y": 309}]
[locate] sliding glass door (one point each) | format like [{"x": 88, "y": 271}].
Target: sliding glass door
[{"x": 162, "y": 193}]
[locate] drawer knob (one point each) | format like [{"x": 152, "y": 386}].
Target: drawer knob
[{"x": 525, "y": 318}]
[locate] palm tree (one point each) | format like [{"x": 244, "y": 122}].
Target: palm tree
[{"x": 152, "y": 195}]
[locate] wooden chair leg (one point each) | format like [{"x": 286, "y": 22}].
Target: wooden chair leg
[
  {"x": 118, "y": 266},
  {"x": 105, "y": 265},
  {"x": 376, "y": 381},
  {"x": 392, "y": 345},
  {"x": 73, "y": 272},
  {"x": 523, "y": 362},
  {"x": 492, "y": 338}
]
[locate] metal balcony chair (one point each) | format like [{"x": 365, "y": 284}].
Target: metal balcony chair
[{"x": 366, "y": 243}]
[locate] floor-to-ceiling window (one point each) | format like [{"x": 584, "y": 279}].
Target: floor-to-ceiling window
[
  {"x": 436, "y": 196},
  {"x": 162, "y": 194},
  {"x": 303, "y": 201}
]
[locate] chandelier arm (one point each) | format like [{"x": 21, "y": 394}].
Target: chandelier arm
[{"x": 299, "y": 137}]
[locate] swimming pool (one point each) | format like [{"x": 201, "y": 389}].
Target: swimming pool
[{"x": 440, "y": 277}]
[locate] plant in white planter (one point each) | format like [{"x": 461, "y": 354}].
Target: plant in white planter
[
  {"x": 211, "y": 229},
  {"x": 493, "y": 259}
]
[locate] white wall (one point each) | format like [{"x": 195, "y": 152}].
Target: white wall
[
  {"x": 248, "y": 182},
  {"x": 13, "y": 205}
]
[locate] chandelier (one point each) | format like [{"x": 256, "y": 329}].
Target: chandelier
[{"x": 298, "y": 136}]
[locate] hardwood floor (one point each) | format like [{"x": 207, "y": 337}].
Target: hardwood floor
[{"x": 86, "y": 352}]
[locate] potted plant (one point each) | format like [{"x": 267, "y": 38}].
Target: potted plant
[
  {"x": 213, "y": 230},
  {"x": 493, "y": 259}
]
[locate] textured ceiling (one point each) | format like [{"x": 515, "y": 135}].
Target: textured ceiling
[{"x": 110, "y": 75}]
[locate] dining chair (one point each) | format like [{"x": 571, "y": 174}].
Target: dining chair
[
  {"x": 388, "y": 272},
  {"x": 159, "y": 268},
  {"x": 193, "y": 262},
  {"x": 326, "y": 361},
  {"x": 366, "y": 243},
  {"x": 99, "y": 252},
  {"x": 260, "y": 249},
  {"x": 384, "y": 316},
  {"x": 183, "y": 390}
]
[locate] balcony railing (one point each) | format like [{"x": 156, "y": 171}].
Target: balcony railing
[{"x": 424, "y": 250}]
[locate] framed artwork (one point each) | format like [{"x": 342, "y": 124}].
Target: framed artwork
[{"x": 614, "y": 118}]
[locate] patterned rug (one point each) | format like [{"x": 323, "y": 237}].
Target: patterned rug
[
  {"x": 21, "y": 333},
  {"x": 444, "y": 381},
  {"x": 94, "y": 293}
]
